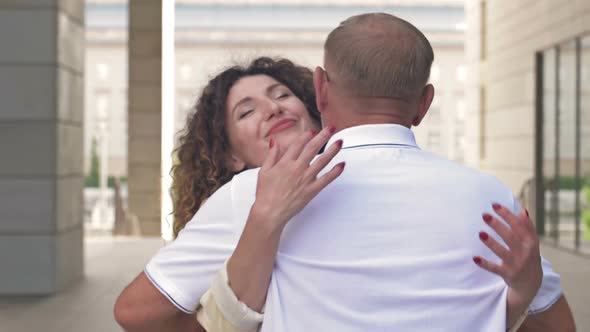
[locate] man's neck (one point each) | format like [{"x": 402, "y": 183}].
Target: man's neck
[
  {"x": 346, "y": 115},
  {"x": 347, "y": 111},
  {"x": 342, "y": 123}
]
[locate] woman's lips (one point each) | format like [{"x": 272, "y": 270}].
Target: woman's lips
[{"x": 280, "y": 126}]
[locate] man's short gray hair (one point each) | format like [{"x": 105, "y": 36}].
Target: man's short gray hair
[{"x": 379, "y": 55}]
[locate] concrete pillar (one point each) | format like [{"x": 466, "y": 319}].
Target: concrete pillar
[
  {"x": 145, "y": 113},
  {"x": 41, "y": 117}
]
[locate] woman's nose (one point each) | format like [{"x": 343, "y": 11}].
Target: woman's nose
[{"x": 272, "y": 109}]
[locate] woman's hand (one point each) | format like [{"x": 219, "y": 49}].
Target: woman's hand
[
  {"x": 289, "y": 180},
  {"x": 521, "y": 260}
]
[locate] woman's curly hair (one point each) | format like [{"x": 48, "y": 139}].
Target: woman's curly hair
[{"x": 201, "y": 165}]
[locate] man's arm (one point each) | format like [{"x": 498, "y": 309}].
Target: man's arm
[
  {"x": 142, "y": 307},
  {"x": 558, "y": 318}
]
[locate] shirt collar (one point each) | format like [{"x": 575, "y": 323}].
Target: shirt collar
[{"x": 375, "y": 134}]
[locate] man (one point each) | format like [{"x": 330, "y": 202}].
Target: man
[{"x": 386, "y": 247}]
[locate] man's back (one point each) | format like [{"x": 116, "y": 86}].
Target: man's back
[
  {"x": 386, "y": 247},
  {"x": 389, "y": 245}
]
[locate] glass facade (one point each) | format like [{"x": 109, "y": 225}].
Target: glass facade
[{"x": 563, "y": 133}]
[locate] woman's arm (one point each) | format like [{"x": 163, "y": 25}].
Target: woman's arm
[
  {"x": 521, "y": 268},
  {"x": 220, "y": 309},
  {"x": 286, "y": 184}
]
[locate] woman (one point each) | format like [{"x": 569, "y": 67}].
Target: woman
[
  {"x": 204, "y": 152},
  {"x": 275, "y": 95},
  {"x": 271, "y": 103}
]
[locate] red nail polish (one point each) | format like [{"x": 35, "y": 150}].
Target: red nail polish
[
  {"x": 341, "y": 165},
  {"x": 339, "y": 142},
  {"x": 496, "y": 206},
  {"x": 487, "y": 218},
  {"x": 483, "y": 236},
  {"x": 477, "y": 260},
  {"x": 527, "y": 213},
  {"x": 332, "y": 129},
  {"x": 271, "y": 143}
]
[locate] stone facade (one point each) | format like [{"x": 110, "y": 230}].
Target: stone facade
[
  {"x": 503, "y": 38},
  {"x": 41, "y": 135}
]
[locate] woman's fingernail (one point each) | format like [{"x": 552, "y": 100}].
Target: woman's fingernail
[
  {"x": 496, "y": 206},
  {"x": 527, "y": 213},
  {"x": 483, "y": 236},
  {"x": 332, "y": 129},
  {"x": 341, "y": 165},
  {"x": 477, "y": 260},
  {"x": 271, "y": 143},
  {"x": 487, "y": 218},
  {"x": 339, "y": 143}
]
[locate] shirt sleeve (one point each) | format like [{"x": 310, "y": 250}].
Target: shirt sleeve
[
  {"x": 221, "y": 311},
  {"x": 550, "y": 290},
  {"x": 185, "y": 269}
]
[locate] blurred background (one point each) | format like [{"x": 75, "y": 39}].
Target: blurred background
[{"x": 92, "y": 94}]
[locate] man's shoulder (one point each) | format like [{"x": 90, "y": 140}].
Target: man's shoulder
[
  {"x": 443, "y": 163},
  {"x": 245, "y": 178},
  {"x": 465, "y": 175},
  {"x": 242, "y": 187}
]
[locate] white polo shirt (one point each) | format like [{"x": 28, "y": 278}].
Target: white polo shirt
[{"x": 387, "y": 246}]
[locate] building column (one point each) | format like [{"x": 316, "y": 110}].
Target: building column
[
  {"x": 145, "y": 113},
  {"x": 41, "y": 172}
]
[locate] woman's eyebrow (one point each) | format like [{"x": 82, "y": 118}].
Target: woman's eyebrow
[{"x": 273, "y": 86}]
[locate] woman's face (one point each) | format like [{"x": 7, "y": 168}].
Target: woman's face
[{"x": 259, "y": 107}]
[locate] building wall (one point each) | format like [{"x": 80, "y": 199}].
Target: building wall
[{"x": 513, "y": 31}]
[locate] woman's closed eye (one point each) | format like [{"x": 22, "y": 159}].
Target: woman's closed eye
[
  {"x": 246, "y": 113},
  {"x": 282, "y": 95}
]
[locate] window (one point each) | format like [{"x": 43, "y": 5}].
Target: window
[{"x": 563, "y": 132}]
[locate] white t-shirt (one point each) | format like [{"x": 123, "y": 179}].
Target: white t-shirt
[{"x": 387, "y": 247}]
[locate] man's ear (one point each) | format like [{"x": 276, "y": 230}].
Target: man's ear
[
  {"x": 319, "y": 83},
  {"x": 424, "y": 104},
  {"x": 235, "y": 163}
]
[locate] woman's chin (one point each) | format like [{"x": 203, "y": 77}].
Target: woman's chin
[{"x": 287, "y": 137}]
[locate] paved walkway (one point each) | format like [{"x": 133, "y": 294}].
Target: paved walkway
[{"x": 112, "y": 263}]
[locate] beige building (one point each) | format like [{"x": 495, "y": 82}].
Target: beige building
[{"x": 529, "y": 100}]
